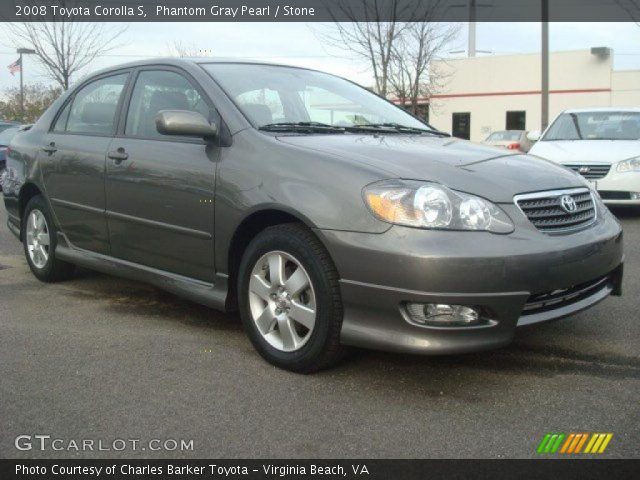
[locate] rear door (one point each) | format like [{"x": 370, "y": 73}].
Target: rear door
[
  {"x": 72, "y": 158},
  {"x": 160, "y": 189}
]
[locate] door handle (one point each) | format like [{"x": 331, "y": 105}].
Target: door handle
[
  {"x": 118, "y": 156},
  {"x": 51, "y": 148}
]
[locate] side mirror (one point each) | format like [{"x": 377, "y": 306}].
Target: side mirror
[
  {"x": 184, "y": 122},
  {"x": 534, "y": 135}
]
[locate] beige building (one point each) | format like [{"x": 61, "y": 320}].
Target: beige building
[{"x": 485, "y": 94}]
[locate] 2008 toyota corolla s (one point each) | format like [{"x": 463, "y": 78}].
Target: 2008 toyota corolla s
[{"x": 325, "y": 214}]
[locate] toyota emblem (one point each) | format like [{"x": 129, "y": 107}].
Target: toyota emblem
[
  {"x": 568, "y": 204},
  {"x": 584, "y": 169}
]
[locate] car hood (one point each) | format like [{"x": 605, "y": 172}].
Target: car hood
[
  {"x": 485, "y": 171},
  {"x": 587, "y": 151}
]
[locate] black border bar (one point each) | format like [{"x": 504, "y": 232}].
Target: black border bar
[
  {"x": 316, "y": 10},
  {"x": 302, "y": 469}
]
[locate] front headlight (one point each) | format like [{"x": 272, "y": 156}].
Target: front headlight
[
  {"x": 431, "y": 205},
  {"x": 631, "y": 165}
]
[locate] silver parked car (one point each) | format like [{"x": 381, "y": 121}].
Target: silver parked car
[
  {"x": 325, "y": 214},
  {"x": 510, "y": 139}
]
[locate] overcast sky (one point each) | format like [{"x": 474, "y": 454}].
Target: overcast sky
[{"x": 299, "y": 44}]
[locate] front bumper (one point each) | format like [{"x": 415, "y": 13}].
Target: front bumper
[
  {"x": 499, "y": 274},
  {"x": 619, "y": 188}
]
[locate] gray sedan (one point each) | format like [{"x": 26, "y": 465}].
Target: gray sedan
[{"x": 323, "y": 213}]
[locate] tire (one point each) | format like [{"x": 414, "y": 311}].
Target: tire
[
  {"x": 281, "y": 334},
  {"x": 43, "y": 262}
]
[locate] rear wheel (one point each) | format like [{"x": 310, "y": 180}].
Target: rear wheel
[
  {"x": 39, "y": 240},
  {"x": 290, "y": 299}
]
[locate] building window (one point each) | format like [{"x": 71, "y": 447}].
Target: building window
[
  {"x": 461, "y": 127},
  {"x": 516, "y": 120}
]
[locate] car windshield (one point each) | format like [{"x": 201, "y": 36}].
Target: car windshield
[
  {"x": 301, "y": 99},
  {"x": 506, "y": 136},
  {"x": 7, "y": 135},
  {"x": 595, "y": 126}
]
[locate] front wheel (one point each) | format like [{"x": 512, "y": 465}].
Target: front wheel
[
  {"x": 40, "y": 241},
  {"x": 290, "y": 301}
]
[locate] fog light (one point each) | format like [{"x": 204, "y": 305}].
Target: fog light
[{"x": 442, "y": 314}]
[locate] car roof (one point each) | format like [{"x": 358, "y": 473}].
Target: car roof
[
  {"x": 190, "y": 61},
  {"x": 603, "y": 110}
]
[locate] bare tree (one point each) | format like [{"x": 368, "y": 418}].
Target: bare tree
[
  {"x": 632, "y": 7},
  {"x": 378, "y": 32},
  {"x": 63, "y": 46},
  {"x": 178, "y": 49},
  {"x": 371, "y": 39},
  {"x": 411, "y": 74}
]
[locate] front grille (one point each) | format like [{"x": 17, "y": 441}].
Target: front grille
[
  {"x": 546, "y": 212},
  {"x": 552, "y": 300},
  {"x": 590, "y": 171},
  {"x": 615, "y": 195}
]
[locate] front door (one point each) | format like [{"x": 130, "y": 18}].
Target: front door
[
  {"x": 73, "y": 161},
  {"x": 160, "y": 189}
]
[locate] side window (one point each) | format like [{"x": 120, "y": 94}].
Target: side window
[
  {"x": 61, "y": 122},
  {"x": 160, "y": 90},
  {"x": 94, "y": 106}
]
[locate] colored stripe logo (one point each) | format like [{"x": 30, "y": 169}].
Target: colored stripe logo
[{"x": 574, "y": 443}]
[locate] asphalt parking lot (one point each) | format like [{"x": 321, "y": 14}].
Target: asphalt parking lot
[{"x": 103, "y": 358}]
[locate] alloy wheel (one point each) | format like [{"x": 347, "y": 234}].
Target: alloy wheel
[
  {"x": 282, "y": 301},
  {"x": 38, "y": 240}
]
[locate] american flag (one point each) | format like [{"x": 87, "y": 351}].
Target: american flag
[{"x": 15, "y": 66}]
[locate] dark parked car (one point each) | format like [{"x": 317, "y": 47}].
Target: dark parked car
[
  {"x": 5, "y": 137},
  {"x": 325, "y": 214},
  {"x": 4, "y": 125}
]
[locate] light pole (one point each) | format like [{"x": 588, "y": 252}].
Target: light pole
[
  {"x": 471, "y": 50},
  {"x": 544, "y": 117},
  {"x": 472, "y": 12},
  {"x": 23, "y": 51}
]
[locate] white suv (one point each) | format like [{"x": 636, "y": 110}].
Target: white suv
[{"x": 602, "y": 144}]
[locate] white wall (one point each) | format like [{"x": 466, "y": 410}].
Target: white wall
[
  {"x": 626, "y": 88},
  {"x": 488, "y": 87}
]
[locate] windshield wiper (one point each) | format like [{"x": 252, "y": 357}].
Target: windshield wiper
[
  {"x": 396, "y": 127},
  {"x": 305, "y": 127},
  {"x": 318, "y": 127}
]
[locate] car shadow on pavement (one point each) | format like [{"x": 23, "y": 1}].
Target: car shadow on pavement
[
  {"x": 625, "y": 212},
  {"x": 527, "y": 355},
  {"x": 516, "y": 359},
  {"x": 130, "y": 297}
]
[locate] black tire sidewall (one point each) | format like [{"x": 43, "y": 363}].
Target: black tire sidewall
[
  {"x": 304, "y": 358},
  {"x": 40, "y": 204}
]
